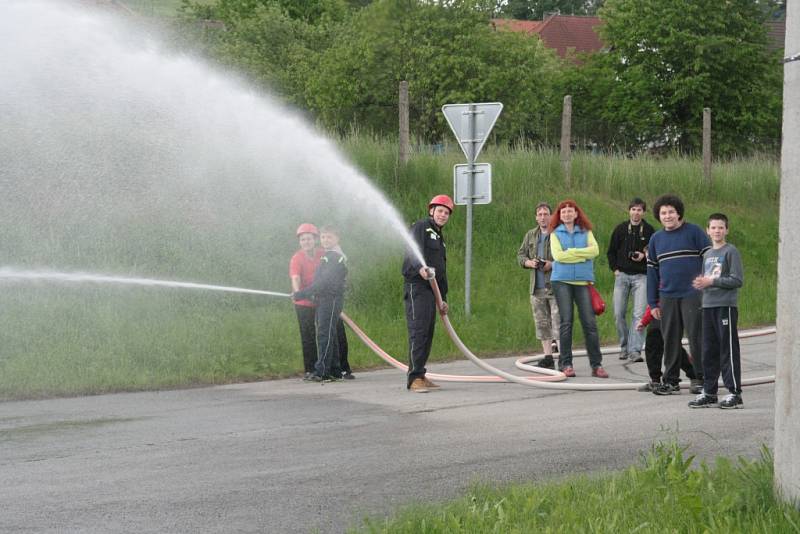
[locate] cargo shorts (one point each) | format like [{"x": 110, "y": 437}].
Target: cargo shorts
[{"x": 545, "y": 315}]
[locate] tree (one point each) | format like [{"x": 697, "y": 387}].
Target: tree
[
  {"x": 448, "y": 52},
  {"x": 274, "y": 42},
  {"x": 538, "y": 9},
  {"x": 669, "y": 60}
]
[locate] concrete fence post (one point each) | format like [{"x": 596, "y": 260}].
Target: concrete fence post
[
  {"x": 566, "y": 140},
  {"x": 405, "y": 145},
  {"x": 707, "y": 145}
]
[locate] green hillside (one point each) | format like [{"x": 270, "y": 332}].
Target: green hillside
[
  {"x": 126, "y": 340},
  {"x": 747, "y": 190}
]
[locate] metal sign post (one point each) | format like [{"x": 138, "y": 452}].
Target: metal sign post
[{"x": 471, "y": 124}]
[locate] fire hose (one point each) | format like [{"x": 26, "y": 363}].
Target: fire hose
[
  {"x": 544, "y": 378},
  {"x": 547, "y": 378}
]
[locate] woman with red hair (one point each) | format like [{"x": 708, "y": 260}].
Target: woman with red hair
[{"x": 573, "y": 246}]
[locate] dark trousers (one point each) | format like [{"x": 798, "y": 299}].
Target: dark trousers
[
  {"x": 328, "y": 310},
  {"x": 308, "y": 335},
  {"x": 566, "y": 296},
  {"x": 341, "y": 337},
  {"x": 678, "y": 315},
  {"x": 654, "y": 353},
  {"x": 420, "y": 304},
  {"x": 721, "y": 350}
]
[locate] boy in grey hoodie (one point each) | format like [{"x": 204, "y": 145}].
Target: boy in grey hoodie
[{"x": 721, "y": 279}]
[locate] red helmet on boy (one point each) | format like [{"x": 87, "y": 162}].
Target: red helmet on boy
[
  {"x": 307, "y": 228},
  {"x": 442, "y": 200}
]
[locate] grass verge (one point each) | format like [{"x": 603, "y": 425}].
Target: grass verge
[{"x": 667, "y": 492}]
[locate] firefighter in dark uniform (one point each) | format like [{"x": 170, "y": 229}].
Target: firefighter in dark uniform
[{"x": 418, "y": 295}]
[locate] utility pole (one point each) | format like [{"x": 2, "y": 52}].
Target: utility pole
[{"x": 787, "y": 364}]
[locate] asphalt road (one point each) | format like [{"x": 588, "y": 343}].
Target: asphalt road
[{"x": 289, "y": 456}]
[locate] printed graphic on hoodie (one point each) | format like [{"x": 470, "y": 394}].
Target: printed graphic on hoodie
[{"x": 712, "y": 266}]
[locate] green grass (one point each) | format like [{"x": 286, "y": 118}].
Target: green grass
[
  {"x": 747, "y": 190},
  {"x": 64, "y": 341},
  {"x": 667, "y": 492}
]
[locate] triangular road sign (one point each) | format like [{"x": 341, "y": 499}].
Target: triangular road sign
[{"x": 458, "y": 117}]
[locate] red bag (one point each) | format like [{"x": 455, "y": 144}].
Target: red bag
[{"x": 598, "y": 304}]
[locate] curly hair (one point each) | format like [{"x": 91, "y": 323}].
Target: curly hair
[
  {"x": 668, "y": 200},
  {"x": 581, "y": 220}
]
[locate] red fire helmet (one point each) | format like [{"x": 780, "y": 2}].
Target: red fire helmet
[
  {"x": 442, "y": 200},
  {"x": 307, "y": 228}
]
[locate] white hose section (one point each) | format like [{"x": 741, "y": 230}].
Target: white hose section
[
  {"x": 565, "y": 386},
  {"x": 522, "y": 363},
  {"x": 518, "y": 380}
]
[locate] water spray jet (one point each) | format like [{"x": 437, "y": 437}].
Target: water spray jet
[{"x": 135, "y": 155}]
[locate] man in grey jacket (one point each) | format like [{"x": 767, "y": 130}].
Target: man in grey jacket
[{"x": 534, "y": 254}]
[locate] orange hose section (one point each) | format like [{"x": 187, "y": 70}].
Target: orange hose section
[{"x": 442, "y": 377}]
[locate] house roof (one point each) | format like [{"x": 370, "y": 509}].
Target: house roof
[
  {"x": 564, "y": 33},
  {"x": 515, "y": 25},
  {"x": 578, "y": 33}
]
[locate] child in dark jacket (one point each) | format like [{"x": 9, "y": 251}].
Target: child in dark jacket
[
  {"x": 654, "y": 351},
  {"x": 327, "y": 291}
]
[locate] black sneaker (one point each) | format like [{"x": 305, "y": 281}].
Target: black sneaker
[
  {"x": 623, "y": 355},
  {"x": 732, "y": 401},
  {"x": 696, "y": 386},
  {"x": 703, "y": 401},
  {"x": 547, "y": 363},
  {"x": 554, "y": 346},
  {"x": 635, "y": 357},
  {"x": 349, "y": 376},
  {"x": 667, "y": 389}
]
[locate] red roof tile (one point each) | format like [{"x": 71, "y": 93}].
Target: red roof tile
[
  {"x": 514, "y": 25},
  {"x": 564, "y": 33}
]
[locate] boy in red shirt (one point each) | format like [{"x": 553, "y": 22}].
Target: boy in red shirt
[{"x": 302, "y": 267}]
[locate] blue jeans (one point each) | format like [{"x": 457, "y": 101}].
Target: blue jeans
[
  {"x": 625, "y": 285},
  {"x": 566, "y": 296}
]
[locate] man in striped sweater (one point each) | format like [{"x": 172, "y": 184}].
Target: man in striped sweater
[{"x": 675, "y": 259}]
